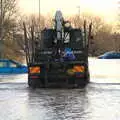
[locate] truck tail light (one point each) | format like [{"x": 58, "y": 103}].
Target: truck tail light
[
  {"x": 78, "y": 68},
  {"x": 34, "y": 77},
  {"x": 34, "y": 69}
]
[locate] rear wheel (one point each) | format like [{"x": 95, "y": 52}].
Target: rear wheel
[
  {"x": 35, "y": 83},
  {"x": 87, "y": 76},
  {"x": 32, "y": 83}
]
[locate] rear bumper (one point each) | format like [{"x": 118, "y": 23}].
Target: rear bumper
[
  {"x": 58, "y": 76},
  {"x": 57, "y": 81}
]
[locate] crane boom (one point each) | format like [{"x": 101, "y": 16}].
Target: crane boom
[{"x": 59, "y": 24}]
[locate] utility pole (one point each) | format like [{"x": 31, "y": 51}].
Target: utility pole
[
  {"x": 78, "y": 14},
  {"x": 39, "y": 33},
  {"x": 78, "y": 11},
  {"x": 39, "y": 14},
  {"x": 1, "y": 30}
]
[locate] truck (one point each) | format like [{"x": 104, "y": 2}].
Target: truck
[{"x": 58, "y": 57}]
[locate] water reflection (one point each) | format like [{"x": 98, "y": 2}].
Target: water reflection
[
  {"x": 98, "y": 101},
  {"x": 95, "y": 102},
  {"x": 60, "y": 104}
]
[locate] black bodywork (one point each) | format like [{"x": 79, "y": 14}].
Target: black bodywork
[{"x": 46, "y": 57}]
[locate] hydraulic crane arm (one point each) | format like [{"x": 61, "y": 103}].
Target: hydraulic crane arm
[{"x": 59, "y": 24}]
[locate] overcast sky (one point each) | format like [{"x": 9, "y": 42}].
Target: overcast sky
[{"x": 106, "y": 8}]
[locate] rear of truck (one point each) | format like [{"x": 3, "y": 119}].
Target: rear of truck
[
  {"x": 59, "y": 56},
  {"x": 49, "y": 70}
]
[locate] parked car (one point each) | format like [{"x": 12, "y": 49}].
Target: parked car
[
  {"x": 12, "y": 67},
  {"x": 110, "y": 55}
]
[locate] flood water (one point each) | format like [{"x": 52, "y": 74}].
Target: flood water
[{"x": 100, "y": 100}]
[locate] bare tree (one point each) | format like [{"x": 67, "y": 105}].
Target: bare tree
[
  {"x": 9, "y": 15},
  {"x": 7, "y": 22},
  {"x": 102, "y": 32}
]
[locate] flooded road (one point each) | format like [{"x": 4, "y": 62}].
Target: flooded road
[{"x": 100, "y": 100}]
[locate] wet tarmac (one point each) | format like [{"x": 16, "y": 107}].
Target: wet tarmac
[{"x": 100, "y": 100}]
